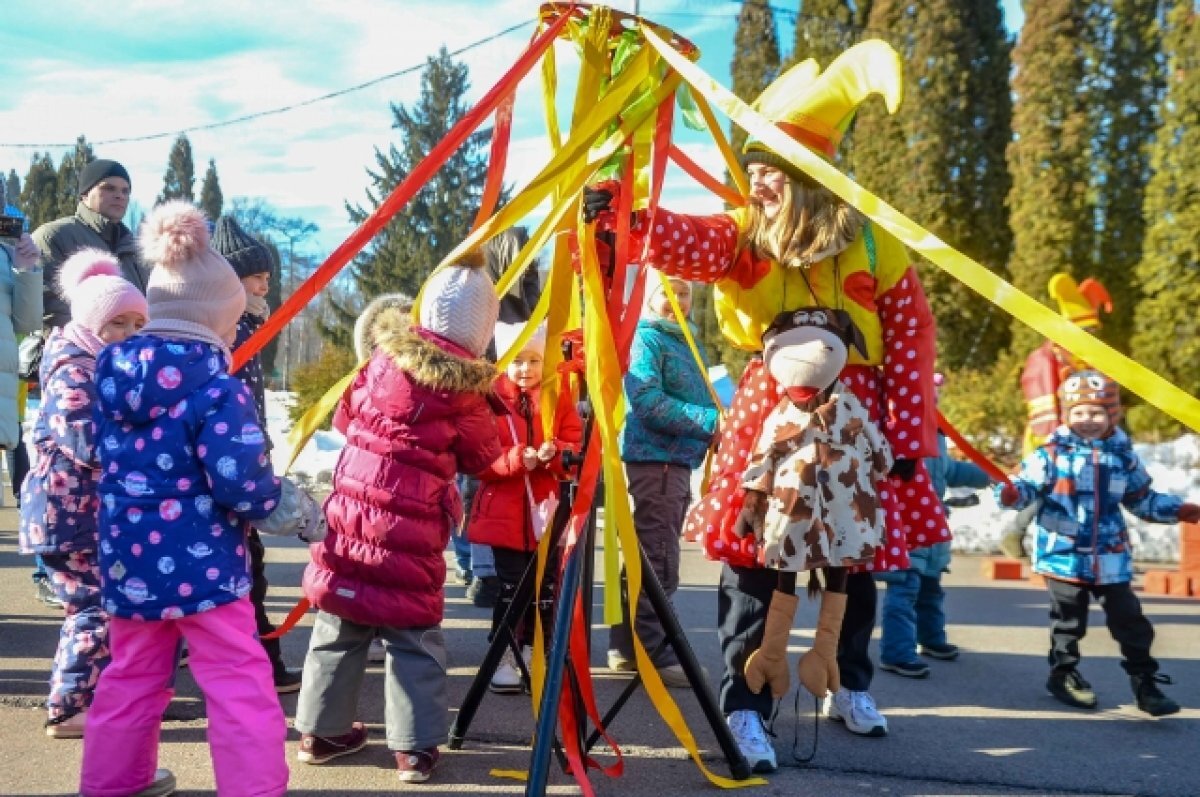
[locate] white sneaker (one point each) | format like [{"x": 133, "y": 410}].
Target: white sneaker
[
  {"x": 376, "y": 653},
  {"x": 857, "y": 710},
  {"x": 506, "y": 680},
  {"x": 751, "y": 737}
]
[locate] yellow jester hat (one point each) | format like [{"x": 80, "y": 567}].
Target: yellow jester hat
[
  {"x": 1080, "y": 304},
  {"x": 815, "y": 107}
]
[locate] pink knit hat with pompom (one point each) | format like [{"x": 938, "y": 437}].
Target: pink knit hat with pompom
[
  {"x": 193, "y": 291},
  {"x": 90, "y": 280}
]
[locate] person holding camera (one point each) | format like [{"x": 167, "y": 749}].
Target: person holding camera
[{"x": 20, "y": 313}]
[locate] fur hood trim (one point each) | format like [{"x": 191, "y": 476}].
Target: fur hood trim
[{"x": 429, "y": 364}]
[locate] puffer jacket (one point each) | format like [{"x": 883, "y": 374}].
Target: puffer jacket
[
  {"x": 500, "y": 514},
  {"x": 413, "y": 417},
  {"x": 671, "y": 416},
  {"x": 20, "y": 314},
  {"x": 59, "y": 239},
  {"x": 1081, "y": 533},
  {"x": 58, "y": 499},
  {"x": 184, "y": 465}
]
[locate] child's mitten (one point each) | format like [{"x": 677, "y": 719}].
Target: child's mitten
[{"x": 298, "y": 513}]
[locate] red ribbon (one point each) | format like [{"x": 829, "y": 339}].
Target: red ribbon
[
  {"x": 399, "y": 197},
  {"x": 497, "y": 160},
  {"x": 970, "y": 451},
  {"x": 294, "y": 616},
  {"x": 705, "y": 179}
]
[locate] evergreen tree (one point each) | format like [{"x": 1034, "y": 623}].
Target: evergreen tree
[
  {"x": 1125, "y": 85},
  {"x": 1166, "y": 335},
  {"x": 755, "y": 56},
  {"x": 211, "y": 198},
  {"x": 180, "y": 178},
  {"x": 1051, "y": 223},
  {"x": 12, "y": 187},
  {"x": 68, "y": 175},
  {"x": 39, "y": 194},
  {"x": 941, "y": 157},
  {"x": 411, "y": 245},
  {"x": 824, "y": 29}
]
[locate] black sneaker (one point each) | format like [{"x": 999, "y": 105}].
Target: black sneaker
[
  {"x": 1150, "y": 698},
  {"x": 909, "y": 669},
  {"x": 286, "y": 680},
  {"x": 1068, "y": 686},
  {"x": 942, "y": 652},
  {"x": 484, "y": 592},
  {"x": 45, "y": 593}
]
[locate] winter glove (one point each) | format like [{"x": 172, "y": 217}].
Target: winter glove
[
  {"x": 904, "y": 469},
  {"x": 298, "y": 513},
  {"x": 768, "y": 664},
  {"x": 1009, "y": 495},
  {"x": 818, "y": 668},
  {"x": 754, "y": 511},
  {"x": 1189, "y": 513},
  {"x": 595, "y": 202}
]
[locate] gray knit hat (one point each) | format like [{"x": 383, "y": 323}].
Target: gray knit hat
[
  {"x": 459, "y": 303},
  {"x": 245, "y": 253}
]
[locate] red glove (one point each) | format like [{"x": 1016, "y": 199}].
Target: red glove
[
  {"x": 1009, "y": 495},
  {"x": 1189, "y": 513}
]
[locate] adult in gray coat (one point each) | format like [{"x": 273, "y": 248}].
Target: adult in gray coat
[
  {"x": 103, "y": 199},
  {"x": 20, "y": 313}
]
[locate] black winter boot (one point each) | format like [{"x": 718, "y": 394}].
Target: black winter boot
[
  {"x": 1068, "y": 686},
  {"x": 1150, "y": 698}
]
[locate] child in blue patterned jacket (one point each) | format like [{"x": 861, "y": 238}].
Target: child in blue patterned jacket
[
  {"x": 184, "y": 470},
  {"x": 1084, "y": 474},
  {"x": 58, "y": 498}
]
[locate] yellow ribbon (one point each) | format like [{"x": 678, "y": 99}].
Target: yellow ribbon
[
  {"x": 1141, "y": 380},
  {"x": 311, "y": 421}
]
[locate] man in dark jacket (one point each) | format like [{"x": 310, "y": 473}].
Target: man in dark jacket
[{"x": 103, "y": 199}]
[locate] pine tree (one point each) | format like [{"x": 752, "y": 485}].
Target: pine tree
[
  {"x": 12, "y": 187},
  {"x": 39, "y": 194},
  {"x": 68, "y": 175},
  {"x": 825, "y": 29},
  {"x": 180, "y": 178},
  {"x": 1124, "y": 86},
  {"x": 211, "y": 198},
  {"x": 1166, "y": 335},
  {"x": 941, "y": 158},
  {"x": 755, "y": 56},
  {"x": 1050, "y": 218},
  {"x": 407, "y": 250}
]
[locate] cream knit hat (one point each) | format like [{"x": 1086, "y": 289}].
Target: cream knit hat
[
  {"x": 192, "y": 291},
  {"x": 459, "y": 303}
]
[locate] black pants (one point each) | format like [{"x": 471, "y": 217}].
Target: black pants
[
  {"x": 510, "y": 566},
  {"x": 1122, "y": 613},
  {"x": 742, "y": 600},
  {"x": 258, "y": 596}
]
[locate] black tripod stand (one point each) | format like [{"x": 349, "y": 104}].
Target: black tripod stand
[{"x": 576, "y": 584}]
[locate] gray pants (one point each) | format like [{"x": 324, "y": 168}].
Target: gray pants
[
  {"x": 661, "y": 493},
  {"x": 416, "y": 708}
]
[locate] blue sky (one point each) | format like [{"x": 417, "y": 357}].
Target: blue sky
[{"x": 115, "y": 70}]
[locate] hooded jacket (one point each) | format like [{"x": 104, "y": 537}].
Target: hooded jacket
[
  {"x": 58, "y": 499},
  {"x": 413, "y": 417},
  {"x": 500, "y": 514},
  {"x": 1083, "y": 484},
  {"x": 185, "y": 465}
]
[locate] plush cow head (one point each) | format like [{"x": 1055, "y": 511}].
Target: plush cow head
[{"x": 805, "y": 349}]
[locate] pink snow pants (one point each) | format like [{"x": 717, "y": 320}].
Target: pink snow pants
[{"x": 246, "y": 726}]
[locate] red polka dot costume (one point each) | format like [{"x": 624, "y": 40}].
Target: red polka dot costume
[{"x": 872, "y": 279}]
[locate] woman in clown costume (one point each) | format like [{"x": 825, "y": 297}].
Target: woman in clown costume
[{"x": 796, "y": 244}]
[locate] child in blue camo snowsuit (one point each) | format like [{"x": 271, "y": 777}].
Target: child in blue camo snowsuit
[{"x": 58, "y": 497}]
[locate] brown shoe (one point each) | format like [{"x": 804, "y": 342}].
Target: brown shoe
[{"x": 320, "y": 749}]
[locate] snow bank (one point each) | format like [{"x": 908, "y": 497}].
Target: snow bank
[{"x": 318, "y": 458}]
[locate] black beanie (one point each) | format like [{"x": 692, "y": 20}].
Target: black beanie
[
  {"x": 97, "y": 170},
  {"x": 245, "y": 253}
]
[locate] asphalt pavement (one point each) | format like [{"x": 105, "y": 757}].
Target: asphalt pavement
[{"x": 982, "y": 725}]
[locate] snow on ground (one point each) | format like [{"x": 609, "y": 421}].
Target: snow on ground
[{"x": 1174, "y": 466}]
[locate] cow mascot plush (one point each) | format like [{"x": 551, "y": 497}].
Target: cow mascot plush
[{"x": 811, "y": 495}]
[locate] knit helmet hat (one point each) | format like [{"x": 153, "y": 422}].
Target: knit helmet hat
[
  {"x": 92, "y": 173},
  {"x": 191, "y": 288},
  {"x": 247, "y": 254},
  {"x": 90, "y": 280},
  {"x": 1089, "y": 387},
  {"x": 506, "y": 336},
  {"x": 459, "y": 303},
  {"x": 815, "y": 108}
]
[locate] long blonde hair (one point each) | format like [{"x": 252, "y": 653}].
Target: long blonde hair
[{"x": 811, "y": 224}]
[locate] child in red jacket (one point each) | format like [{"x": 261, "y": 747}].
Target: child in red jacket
[{"x": 509, "y": 510}]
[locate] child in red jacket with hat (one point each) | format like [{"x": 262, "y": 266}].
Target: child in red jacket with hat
[{"x": 514, "y": 504}]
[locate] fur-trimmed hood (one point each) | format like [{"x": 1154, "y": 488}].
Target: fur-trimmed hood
[
  {"x": 366, "y": 325},
  {"x": 431, "y": 360}
]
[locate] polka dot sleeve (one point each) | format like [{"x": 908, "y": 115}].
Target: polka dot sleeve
[
  {"x": 698, "y": 248},
  {"x": 910, "y": 348}
]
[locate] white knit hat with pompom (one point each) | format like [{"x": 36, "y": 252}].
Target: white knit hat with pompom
[
  {"x": 192, "y": 290},
  {"x": 90, "y": 280},
  {"x": 459, "y": 303}
]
